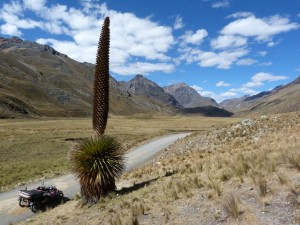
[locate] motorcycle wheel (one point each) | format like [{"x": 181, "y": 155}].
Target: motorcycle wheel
[
  {"x": 61, "y": 197},
  {"x": 21, "y": 202},
  {"x": 34, "y": 207}
]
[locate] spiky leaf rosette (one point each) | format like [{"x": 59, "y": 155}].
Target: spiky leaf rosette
[
  {"x": 97, "y": 162},
  {"x": 101, "y": 81}
]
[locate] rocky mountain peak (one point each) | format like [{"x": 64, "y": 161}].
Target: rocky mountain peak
[
  {"x": 142, "y": 86},
  {"x": 188, "y": 97},
  {"x": 16, "y": 43}
]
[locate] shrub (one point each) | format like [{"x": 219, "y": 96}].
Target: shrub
[{"x": 97, "y": 162}]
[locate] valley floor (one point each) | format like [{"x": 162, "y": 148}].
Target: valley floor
[
  {"x": 33, "y": 149},
  {"x": 243, "y": 173}
]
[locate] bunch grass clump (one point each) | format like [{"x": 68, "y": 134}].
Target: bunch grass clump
[{"x": 96, "y": 163}]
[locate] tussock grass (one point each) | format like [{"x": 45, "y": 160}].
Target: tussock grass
[
  {"x": 231, "y": 206},
  {"x": 245, "y": 159}
]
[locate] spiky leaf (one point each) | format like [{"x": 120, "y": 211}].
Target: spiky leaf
[{"x": 97, "y": 162}]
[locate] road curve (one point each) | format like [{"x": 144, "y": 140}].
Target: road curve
[{"x": 10, "y": 212}]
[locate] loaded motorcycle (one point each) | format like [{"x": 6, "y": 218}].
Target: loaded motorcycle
[{"x": 39, "y": 197}]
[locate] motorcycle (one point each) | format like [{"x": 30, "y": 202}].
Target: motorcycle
[{"x": 39, "y": 197}]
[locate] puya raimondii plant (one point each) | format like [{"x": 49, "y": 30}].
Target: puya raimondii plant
[{"x": 97, "y": 161}]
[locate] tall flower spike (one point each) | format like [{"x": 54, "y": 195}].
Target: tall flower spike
[{"x": 101, "y": 81}]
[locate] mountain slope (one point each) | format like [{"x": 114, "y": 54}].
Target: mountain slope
[
  {"x": 284, "y": 98},
  {"x": 142, "y": 86},
  {"x": 188, "y": 97},
  {"x": 36, "y": 80}
]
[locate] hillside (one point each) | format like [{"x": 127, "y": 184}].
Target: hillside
[
  {"x": 245, "y": 173},
  {"x": 36, "y": 80},
  {"x": 142, "y": 86},
  {"x": 189, "y": 97},
  {"x": 284, "y": 98}
]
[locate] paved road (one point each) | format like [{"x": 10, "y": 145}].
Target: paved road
[{"x": 11, "y": 212}]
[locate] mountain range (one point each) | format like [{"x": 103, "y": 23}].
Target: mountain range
[
  {"x": 37, "y": 80},
  {"x": 283, "y": 98}
]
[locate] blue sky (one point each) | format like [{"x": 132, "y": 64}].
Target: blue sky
[{"x": 222, "y": 48}]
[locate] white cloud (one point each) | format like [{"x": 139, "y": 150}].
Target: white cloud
[
  {"x": 222, "y": 84},
  {"x": 244, "y": 91},
  {"x": 240, "y": 15},
  {"x": 196, "y": 38},
  {"x": 143, "y": 68},
  {"x": 261, "y": 29},
  {"x": 197, "y": 88},
  {"x": 266, "y": 63},
  {"x": 228, "y": 94},
  {"x": 178, "y": 24},
  {"x": 221, "y": 60},
  {"x": 218, "y": 97},
  {"x": 10, "y": 29},
  {"x": 204, "y": 93},
  {"x": 246, "y": 62},
  {"x": 133, "y": 39},
  {"x": 14, "y": 8},
  {"x": 221, "y": 4},
  {"x": 12, "y": 22},
  {"x": 272, "y": 43},
  {"x": 228, "y": 41},
  {"x": 35, "y": 5},
  {"x": 258, "y": 79},
  {"x": 263, "y": 53}
]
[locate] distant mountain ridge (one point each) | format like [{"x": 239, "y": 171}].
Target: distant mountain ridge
[
  {"x": 36, "y": 80},
  {"x": 283, "y": 98},
  {"x": 189, "y": 97},
  {"x": 142, "y": 86}
]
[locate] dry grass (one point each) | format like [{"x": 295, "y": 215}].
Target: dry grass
[
  {"x": 194, "y": 174},
  {"x": 32, "y": 149},
  {"x": 231, "y": 205}
]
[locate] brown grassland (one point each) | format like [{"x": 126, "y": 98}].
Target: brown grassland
[
  {"x": 243, "y": 173},
  {"x": 37, "y": 149}
]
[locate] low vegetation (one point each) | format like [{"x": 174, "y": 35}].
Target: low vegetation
[
  {"x": 238, "y": 174},
  {"x": 34, "y": 149}
]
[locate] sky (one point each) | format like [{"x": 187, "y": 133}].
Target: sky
[{"x": 222, "y": 48}]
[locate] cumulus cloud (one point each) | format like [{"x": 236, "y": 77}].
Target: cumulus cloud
[
  {"x": 133, "y": 39},
  {"x": 222, "y": 84},
  {"x": 35, "y": 5},
  {"x": 258, "y": 79},
  {"x": 228, "y": 41},
  {"x": 178, "y": 24},
  {"x": 190, "y": 37},
  {"x": 221, "y": 60},
  {"x": 10, "y": 29},
  {"x": 261, "y": 29},
  {"x": 221, "y": 4},
  {"x": 246, "y": 62}
]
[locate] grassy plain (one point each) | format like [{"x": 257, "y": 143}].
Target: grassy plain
[
  {"x": 32, "y": 149},
  {"x": 245, "y": 173}
]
